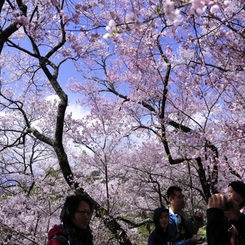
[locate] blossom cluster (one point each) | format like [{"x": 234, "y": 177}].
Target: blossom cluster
[{"x": 171, "y": 12}]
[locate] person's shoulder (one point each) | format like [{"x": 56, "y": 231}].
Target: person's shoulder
[
  {"x": 151, "y": 237},
  {"x": 172, "y": 219},
  {"x": 56, "y": 230},
  {"x": 183, "y": 213},
  {"x": 54, "y": 242},
  {"x": 153, "y": 233},
  {"x": 185, "y": 216},
  {"x": 171, "y": 215}
]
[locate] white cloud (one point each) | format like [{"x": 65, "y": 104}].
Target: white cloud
[{"x": 78, "y": 111}]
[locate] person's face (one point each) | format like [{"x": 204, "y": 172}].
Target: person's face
[
  {"x": 234, "y": 195},
  {"x": 163, "y": 220},
  {"x": 178, "y": 201},
  {"x": 82, "y": 216}
]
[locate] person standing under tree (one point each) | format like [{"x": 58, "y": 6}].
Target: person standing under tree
[
  {"x": 182, "y": 229},
  {"x": 217, "y": 232},
  {"x": 236, "y": 191},
  {"x": 160, "y": 235},
  {"x": 75, "y": 217}
]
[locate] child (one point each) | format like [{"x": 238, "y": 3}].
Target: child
[{"x": 160, "y": 235}]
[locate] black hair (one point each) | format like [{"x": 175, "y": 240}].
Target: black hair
[
  {"x": 238, "y": 187},
  {"x": 67, "y": 214},
  {"x": 156, "y": 216},
  {"x": 70, "y": 207},
  {"x": 160, "y": 236},
  {"x": 171, "y": 191}
]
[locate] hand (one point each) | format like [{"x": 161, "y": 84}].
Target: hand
[
  {"x": 199, "y": 215},
  {"x": 233, "y": 230},
  {"x": 220, "y": 201},
  {"x": 196, "y": 240},
  {"x": 217, "y": 201}
]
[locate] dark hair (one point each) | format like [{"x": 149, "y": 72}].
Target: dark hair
[
  {"x": 70, "y": 207},
  {"x": 156, "y": 216},
  {"x": 238, "y": 187},
  {"x": 171, "y": 191},
  {"x": 160, "y": 237}
]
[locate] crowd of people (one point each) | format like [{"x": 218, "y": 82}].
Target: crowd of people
[{"x": 225, "y": 220}]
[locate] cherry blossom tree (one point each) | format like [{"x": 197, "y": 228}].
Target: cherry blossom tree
[
  {"x": 172, "y": 58},
  {"x": 35, "y": 55},
  {"x": 163, "y": 85}
]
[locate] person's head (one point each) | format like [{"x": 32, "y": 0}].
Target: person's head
[
  {"x": 161, "y": 218},
  {"x": 76, "y": 212},
  {"x": 176, "y": 198},
  {"x": 236, "y": 191}
]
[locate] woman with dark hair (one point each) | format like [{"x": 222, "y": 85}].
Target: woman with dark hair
[
  {"x": 75, "y": 217},
  {"x": 217, "y": 232},
  {"x": 236, "y": 191},
  {"x": 160, "y": 234}
]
